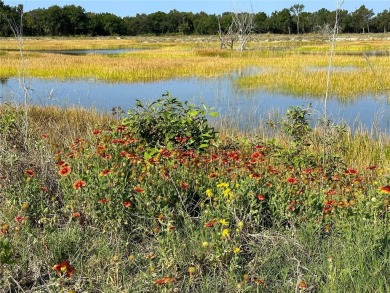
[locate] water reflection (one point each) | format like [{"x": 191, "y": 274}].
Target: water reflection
[
  {"x": 246, "y": 108},
  {"x": 89, "y": 52}
]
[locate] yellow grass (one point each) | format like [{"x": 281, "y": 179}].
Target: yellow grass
[{"x": 283, "y": 66}]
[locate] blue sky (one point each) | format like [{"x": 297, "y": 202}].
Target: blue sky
[{"x": 132, "y": 7}]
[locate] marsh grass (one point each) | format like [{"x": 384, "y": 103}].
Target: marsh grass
[{"x": 284, "y": 68}]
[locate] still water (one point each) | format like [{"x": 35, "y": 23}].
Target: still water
[{"x": 244, "y": 108}]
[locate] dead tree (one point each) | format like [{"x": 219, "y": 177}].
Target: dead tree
[
  {"x": 227, "y": 37},
  {"x": 243, "y": 24}
]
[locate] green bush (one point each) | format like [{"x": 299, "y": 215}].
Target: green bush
[{"x": 168, "y": 122}]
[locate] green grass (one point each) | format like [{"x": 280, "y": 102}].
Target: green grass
[{"x": 195, "y": 218}]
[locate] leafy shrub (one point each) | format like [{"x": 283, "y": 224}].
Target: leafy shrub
[{"x": 167, "y": 122}]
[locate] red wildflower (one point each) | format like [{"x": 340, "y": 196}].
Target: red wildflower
[
  {"x": 119, "y": 141},
  {"x": 212, "y": 175},
  {"x": 261, "y": 197},
  {"x": 164, "y": 280},
  {"x": 30, "y": 173},
  {"x": 371, "y": 167},
  {"x": 96, "y": 132},
  {"x": 350, "y": 171},
  {"x": 182, "y": 139},
  {"x": 331, "y": 192},
  {"x": 104, "y": 200},
  {"x": 255, "y": 176},
  {"x": 44, "y": 189},
  {"x": 64, "y": 171},
  {"x": 105, "y": 172},
  {"x": 153, "y": 160},
  {"x": 78, "y": 184},
  {"x": 19, "y": 219},
  {"x": 44, "y": 136},
  {"x": 214, "y": 157},
  {"x": 121, "y": 128},
  {"x": 385, "y": 189},
  {"x": 64, "y": 267},
  {"x": 76, "y": 215},
  {"x": 292, "y": 180},
  {"x": 210, "y": 224},
  {"x": 259, "y": 281},
  {"x": 184, "y": 185},
  {"x": 256, "y": 155},
  {"x": 139, "y": 189},
  {"x": 127, "y": 204}
]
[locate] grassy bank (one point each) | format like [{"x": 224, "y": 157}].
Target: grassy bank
[
  {"x": 90, "y": 204},
  {"x": 282, "y": 67}
]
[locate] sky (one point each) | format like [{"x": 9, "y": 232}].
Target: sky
[{"x": 124, "y": 8}]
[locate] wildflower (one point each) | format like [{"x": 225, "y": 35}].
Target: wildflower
[
  {"x": 121, "y": 128},
  {"x": 79, "y": 184},
  {"x": 139, "y": 189},
  {"x": 65, "y": 170},
  {"x": 259, "y": 281},
  {"x": 210, "y": 224},
  {"x": 371, "y": 167},
  {"x": 64, "y": 267},
  {"x": 30, "y": 173},
  {"x": 205, "y": 244},
  {"x": 182, "y": 139},
  {"x": 127, "y": 204},
  {"x": 261, "y": 197},
  {"x": 302, "y": 285},
  {"x": 104, "y": 200},
  {"x": 184, "y": 185},
  {"x": 191, "y": 270},
  {"x": 255, "y": 176},
  {"x": 105, "y": 172},
  {"x": 44, "y": 189},
  {"x": 292, "y": 180},
  {"x": 225, "y": 233},
  {"x": 4, "y": 228},
  {"x": 240, "y": 225},
  {"x": 164, "y": 280},
  {"x": 96, "y": 132},
  {"x": 236, "y": 250},
  {"x": 223, "y": 184},
  {"x": 209, "y": 193},
  {"x": 350, "y": 171},
  {"x": 19, "y": 219},
  {"x": 385, "y": 189},
  {"x": 76, "y": 215},
  {"x": 44, "y": 136},
  {"x": 25, "y": 206},
  {"x": 223, "y": 222},
  {"x": 213, "y": 175}
]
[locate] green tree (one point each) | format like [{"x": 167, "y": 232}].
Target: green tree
[
  {"x": 361, "y": 18},
  {"x": 297, "y": 9},
  {"x": 260, "y": 22},
  {"x": 382, "y": 21},
  {"x": 76, "y": 19},
  {"x": 280, "y": 22}
]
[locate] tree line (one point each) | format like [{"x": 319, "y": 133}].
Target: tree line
[{"x": 72, "y": 20}]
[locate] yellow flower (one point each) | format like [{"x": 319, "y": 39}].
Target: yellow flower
[
  {"x": 209, "y": 193},
  {"x": 240, "y": 225},
  {"x": 225, "y": 233},
  {"x": 236, "y": 250},
  {"x": 227, "y": 192},
  {"x": 223, "y": 184},
  {"x": 223, "y": 222},
  {"x": 205, "y": 244}
]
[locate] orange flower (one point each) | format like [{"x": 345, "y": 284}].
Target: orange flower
[
  {"x": 139, "y": 189},
  {"x": 184, "y": 185},
  {"x": 64, "y": 267},
  {"x": 127, "y": 204},
  {"x": 78, "y": 184},
  {"x": 292, "y": 180},
  {"x": 30, "y": 173},
  {"x": 261, "y": 197},
  {"x": 210, "y": 224},
  {"x": 76, "y": 215},
  {"x": 164, "y": 280},
  {"x": 385, "y": 189},
  {"x": 105, "y": 172},
  {"x": 64, "y": 171}
]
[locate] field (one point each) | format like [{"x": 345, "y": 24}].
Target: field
[{"x": 161, "y": 199}]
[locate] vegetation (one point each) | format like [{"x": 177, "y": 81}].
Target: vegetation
[
  {"x": 74, "y": 20},
  {"x": 88, "y": 205}
]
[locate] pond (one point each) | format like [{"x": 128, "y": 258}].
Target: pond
[
  {"x": 244, "y": 108},
  {"x": 89, "y": 52}
]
